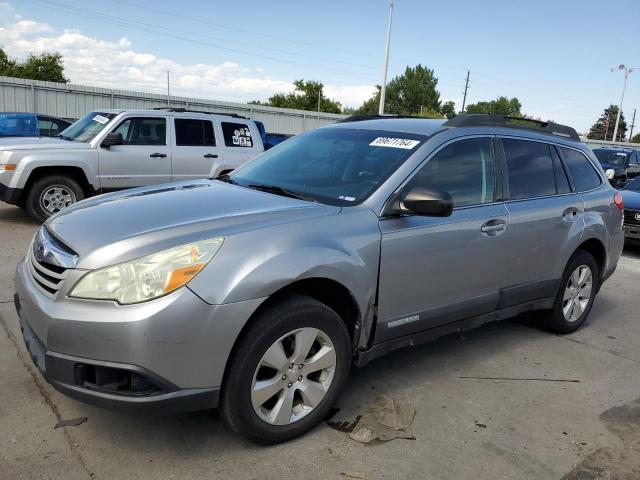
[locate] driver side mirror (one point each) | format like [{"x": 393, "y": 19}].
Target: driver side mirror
[
  {"x": 427, "y": 202},
  {"x": 112, "y": 139}
]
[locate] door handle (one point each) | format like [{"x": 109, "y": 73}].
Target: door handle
[
  {"x": 158, "y": 155},
  {"x": 210, "y": 155},
  {"x": 494, "y": 227}
]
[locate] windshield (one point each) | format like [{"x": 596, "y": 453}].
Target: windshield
[
  {"x": 85, "y": 129},
  {"x": 337, "y": 166},
  {"x": 633, "y": 185},
  {"x": 18, "y": 125},
  {"x": 613, "y": 157}
]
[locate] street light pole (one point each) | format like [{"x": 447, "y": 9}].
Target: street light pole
[
  {"x": 626, "y": 71},
  {"x": 386, "y": 61}
]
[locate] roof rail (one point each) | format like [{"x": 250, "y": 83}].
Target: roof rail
[
  {"x": 373, "y": 116},
  {"x": 493, "y": 120},
  {"x": 185, "y": 110}
]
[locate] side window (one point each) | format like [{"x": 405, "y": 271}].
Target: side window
[
  {"x": 464, "y": 168},
  {"x": 236, "y": 135},
  {"x": 562, "y": 182},
  {"x": 143, "y": 131},
  {"x": 582, "y": 172},
  {"x": 634, "y": 159},
  {"x": 529, "y": 169},
  {"x": 190, "y": 132},
  {"x": 47, "y": 128}
]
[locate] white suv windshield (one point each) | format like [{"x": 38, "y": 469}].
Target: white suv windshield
[
  {"x": 338, "y": 166},
  {"x": 85, "y": 129}
]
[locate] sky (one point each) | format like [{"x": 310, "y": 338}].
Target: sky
[{"x": 555, "y": 56}]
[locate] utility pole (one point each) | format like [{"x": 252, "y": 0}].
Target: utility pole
[
  {"x": 167, "y": 88},
  {"x": 626, "y": 71},
  {"x": 464, "y": 99},
  {"x": 386, "y": 61},
  {"x": 319, "y": 96},
  {"x": 633, "y": 124}
]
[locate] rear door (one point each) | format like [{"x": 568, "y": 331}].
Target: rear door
[
  {"x": 546, "y": 220},
  {"x": 143, "y": 159},
  {"x": 242, "y": 142},
  {"x": 439, "y": 270},
  {"x": 195, "y": 150}
]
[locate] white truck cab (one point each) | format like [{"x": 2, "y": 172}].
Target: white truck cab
[{"x": 113, "y": 149}]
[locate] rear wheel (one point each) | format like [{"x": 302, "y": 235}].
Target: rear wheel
[
  {"x": 576, "y": 294},
  {"x": 50, "y": 194},
  {"x": 287, "y": 371}
]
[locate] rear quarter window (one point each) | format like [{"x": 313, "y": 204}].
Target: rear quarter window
[
  {"x": 582, "y": 171},
  {"x": 237, "y": 135}
]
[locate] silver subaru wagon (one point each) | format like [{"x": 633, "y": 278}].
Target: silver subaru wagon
[{"x": 255, "y": 292}]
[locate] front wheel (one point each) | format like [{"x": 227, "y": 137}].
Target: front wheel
[
  {"x": 50, "y": 194},
  {"x": 576, "y": 294},
  {"x": 287, "y": 371}
]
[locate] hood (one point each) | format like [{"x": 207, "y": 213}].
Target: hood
[
  {"x": 117, "y": 227},
  {"x": 631, "y": 199},
  {"x": 38, "y": 143}
]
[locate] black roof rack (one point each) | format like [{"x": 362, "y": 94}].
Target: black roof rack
[
  {"x": 185, "y": 110},
  {"x": 374, "y": 116},
  {"x": 492, "y": 120}
]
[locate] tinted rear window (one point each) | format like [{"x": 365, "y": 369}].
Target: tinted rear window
[
  {"x": 191, "y": 132},
  {"x": 529, "y": 169},
  {"x": 582, "y": 172}
]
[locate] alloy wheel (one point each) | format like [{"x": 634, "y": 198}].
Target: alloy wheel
[
  {"x": 56, "y": 197},
  {"x": 577, "y": 293},
  {"x": 293, "y": 376}
]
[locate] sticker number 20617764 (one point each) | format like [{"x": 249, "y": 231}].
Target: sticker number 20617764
[{"x": 404, "y": 143}]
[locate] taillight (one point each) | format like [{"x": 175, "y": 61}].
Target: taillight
[{"x": 617, "y": 199}]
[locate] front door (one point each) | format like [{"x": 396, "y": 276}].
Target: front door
[
  {"x": 143, "y": 159},
  {"x": 439, "y": 270}
]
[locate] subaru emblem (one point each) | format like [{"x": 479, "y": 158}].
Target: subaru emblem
[{"x": 40, "y": 252}]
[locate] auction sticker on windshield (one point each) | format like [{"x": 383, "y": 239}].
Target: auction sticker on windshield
[
  {"x": 101, "y": 119},
  {"x": 394, "y": 143}
]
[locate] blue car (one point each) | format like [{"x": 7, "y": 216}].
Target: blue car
[
  {"x": 17, "y": 124},
  {"x": 631, "y": 196}
]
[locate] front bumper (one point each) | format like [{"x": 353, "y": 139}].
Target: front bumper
[
  {"x": 163, "y": 356},
  {"x": 9, "y": 195}
]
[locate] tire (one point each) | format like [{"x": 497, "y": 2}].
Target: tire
[
  {"x": 50, "y": 194},
  {"x": 288, "y": 323},
  {"x": 558, "y": 320}
]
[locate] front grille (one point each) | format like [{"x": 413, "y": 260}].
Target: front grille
[
  {"x": 630, "y": 217},
  {"x": 47, "y": 277}
]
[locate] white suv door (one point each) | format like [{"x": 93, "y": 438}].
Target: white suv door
[
  {"x": 143, "y": 159},
  {"x": 195, "y": 150}
]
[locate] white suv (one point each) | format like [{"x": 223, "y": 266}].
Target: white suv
[{"x": 115, "y": 149}]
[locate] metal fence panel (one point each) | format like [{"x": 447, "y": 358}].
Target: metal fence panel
[{"x": 74, "y": 101}]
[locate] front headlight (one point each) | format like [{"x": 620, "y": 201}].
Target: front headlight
[
  {"x": 148, "y": 277},
  {"x": 611, "y": 173}
]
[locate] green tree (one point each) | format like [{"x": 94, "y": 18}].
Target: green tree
[
  {"x": 304, "y": 97},
  {"x": 599, "y": 130},
  {"x": 46, "y": 66},
  {"x": 635, "y": 138},
  {"x": 407, "y": 94},
  {"x": 499, "y": 106},
  {"x": 448, "y": 109}
]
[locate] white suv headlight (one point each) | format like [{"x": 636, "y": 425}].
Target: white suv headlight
[
  {"x": 148, "y": 277},
  {"x": 611, "y": 173}
]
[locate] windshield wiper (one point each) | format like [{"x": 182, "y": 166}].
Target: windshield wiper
[
  {"x": 275, "y": 189},
  {"x": 64, "y": 137},
  {"x": 226, "y": 178}
]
